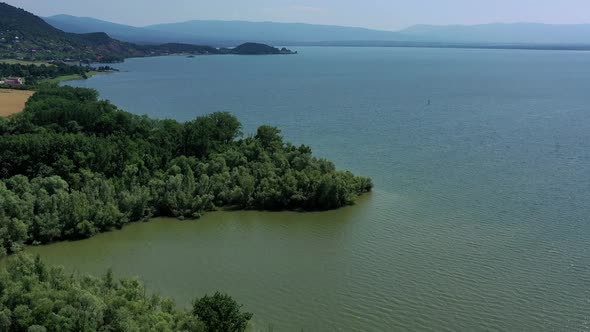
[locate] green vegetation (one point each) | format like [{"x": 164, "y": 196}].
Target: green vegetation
[
  {"x": 34, "y": 297},
  {"x": 220, "y": 313},
  {"x": 23, "y": 62},
  {"x": 28, "y": 37},
  {"x": 64, "y": 78},
  {"x": 72, "y": 166},
  {"x": 54, "y": 73},
  {"x": 74, "y": 77}
]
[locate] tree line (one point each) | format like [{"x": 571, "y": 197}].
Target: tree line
[
  {"x": 72, "y": 166},
  {"x": 38, "y": 298},
  {"x": 36, "y": 74},
  {"x": 33, "y": 74}
]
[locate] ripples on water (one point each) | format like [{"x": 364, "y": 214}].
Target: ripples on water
[{"x": 480, "y": 217}]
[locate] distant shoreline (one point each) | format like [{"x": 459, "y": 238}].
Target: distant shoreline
[{"x": 393, "y": 44}]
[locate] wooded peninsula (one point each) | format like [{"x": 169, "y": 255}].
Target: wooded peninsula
[{"x": 72, "y": 166}]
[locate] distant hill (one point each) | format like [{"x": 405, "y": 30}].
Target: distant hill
[
  {"x": 24, "y": 35},
  {"x": 220, "y": 33},
  {"x": 271, "y": 32},
  {"x": 258, "y": 49},
  {"x": 127, "y": 33},
  {"x": 523, "y": 33},
  {"x": 228, "y": 33}
]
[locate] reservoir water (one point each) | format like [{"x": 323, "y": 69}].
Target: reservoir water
[{"x": 480, "y": 219}]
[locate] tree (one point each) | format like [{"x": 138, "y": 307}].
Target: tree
[
  {"x": 221, "y": 313},
  {"x": 209, "y": 133},
  {"x": 269, "y": 137}
]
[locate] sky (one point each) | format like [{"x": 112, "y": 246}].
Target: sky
[{"x": 376, "y": 14}]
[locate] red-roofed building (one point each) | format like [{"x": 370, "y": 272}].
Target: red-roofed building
[{"x": 13, "y": 81}]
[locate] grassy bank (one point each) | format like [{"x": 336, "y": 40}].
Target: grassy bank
[
  {"x": 23, "y": 62},
  {"x": 67, "y": 78}
]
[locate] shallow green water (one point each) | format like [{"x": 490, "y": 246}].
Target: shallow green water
[{"x": 479, "y": 221}]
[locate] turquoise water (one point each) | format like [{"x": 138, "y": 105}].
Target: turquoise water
[{"x": 480, "y": 219}]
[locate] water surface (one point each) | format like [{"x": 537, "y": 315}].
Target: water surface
[{"x": 479, "y": 220}]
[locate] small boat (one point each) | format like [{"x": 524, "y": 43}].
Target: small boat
[{"x": 190, "y": 56}]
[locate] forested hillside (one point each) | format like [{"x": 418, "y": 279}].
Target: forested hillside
[
  {"x": 72, "y": 166},
  {"x": 24, "y": 35}
]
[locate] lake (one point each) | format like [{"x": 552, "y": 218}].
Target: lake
[{"x": 480, "y": 216}]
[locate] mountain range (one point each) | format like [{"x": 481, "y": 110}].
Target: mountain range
[
  {"x": 224, "y": 33},
  {"x": 221, "y": 33},
  {"x": 26, "y": 36}
]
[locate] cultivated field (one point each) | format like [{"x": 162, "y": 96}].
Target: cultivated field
[{"x": 13, "y": 101}]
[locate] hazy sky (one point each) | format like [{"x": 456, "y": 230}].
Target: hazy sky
[{"x": 380, "y": 14}]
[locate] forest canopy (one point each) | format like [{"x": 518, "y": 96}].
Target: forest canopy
[
  {"x": 72, "y": 166},
  {"x": 38, "y": 298}
]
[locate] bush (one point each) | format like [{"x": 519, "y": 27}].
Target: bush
[{"x": 220, "y": 313}]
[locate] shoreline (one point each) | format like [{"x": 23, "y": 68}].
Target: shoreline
[
  {"x": 361, "y": 199},
  {"x": 67, "y": 78}
]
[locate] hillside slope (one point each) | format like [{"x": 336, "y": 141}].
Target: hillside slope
[
  {"x": 272, "y": 32},
  {"x": 24, "y": 35},
  {"x": 123, "y": 32}
]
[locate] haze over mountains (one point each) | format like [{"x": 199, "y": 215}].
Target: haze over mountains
[
  {"x": 220, "y": 32},
  {"x": 227, "y": 33}
]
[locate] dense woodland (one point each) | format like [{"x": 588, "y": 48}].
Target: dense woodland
[
  {"x": 72, "y": 166},
  {"x": 37, "y": 298}
]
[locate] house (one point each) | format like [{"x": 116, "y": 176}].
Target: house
[{"x": 13, "y": 81}]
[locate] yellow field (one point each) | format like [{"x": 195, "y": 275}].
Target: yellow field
[{"x": 13, "y": 101}]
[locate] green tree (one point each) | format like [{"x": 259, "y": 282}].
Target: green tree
[
  {"x": 269, "y": 137},
  {"x": 209, "y": 133},
  {"x": 221, "y": 313}
]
